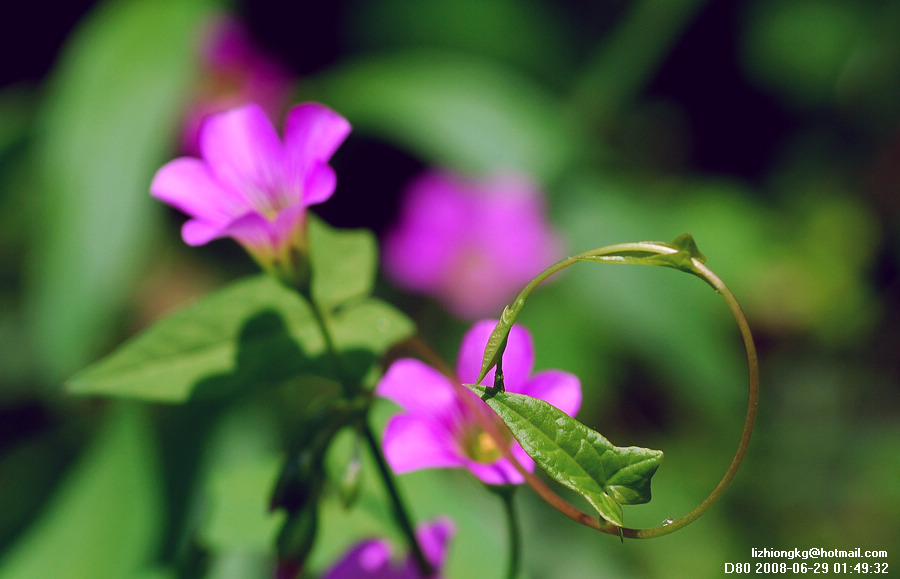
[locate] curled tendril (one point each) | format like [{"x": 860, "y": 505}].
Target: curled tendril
[{"x": 681, "y": 254}]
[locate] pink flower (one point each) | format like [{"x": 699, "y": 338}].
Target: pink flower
[
  {"x": 472, "y": 245},
  {"x": 372, "y": 559},
  {"x": 234, "y": 71},
  {"x": 250, "y": 185},
  {"x": 438, "y": 430}
]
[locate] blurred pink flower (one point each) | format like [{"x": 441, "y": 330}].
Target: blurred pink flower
[
  {"x": 472, "y": 245},
  {"x": 372, "y": 559},
  {"x": 438, "y": 430},
  {"x": 233, "y": 72},
  {"x": 250, "y": 185}
]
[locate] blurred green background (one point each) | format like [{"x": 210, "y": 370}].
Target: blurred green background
[{"x": 769, "y": 129}]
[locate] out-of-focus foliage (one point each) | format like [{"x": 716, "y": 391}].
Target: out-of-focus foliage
[{"x": 768, "y": 129}]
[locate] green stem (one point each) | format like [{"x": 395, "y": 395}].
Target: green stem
[
  {"x": 352, "y": 391},
  {"x": 749, "y": 420},
  {"x": 514, "y": 539},
  {"x": 400, "y": 511},
  {"x": 331, "y": 350}
]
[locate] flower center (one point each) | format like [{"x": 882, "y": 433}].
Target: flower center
[{"x": 480, "y": 447}]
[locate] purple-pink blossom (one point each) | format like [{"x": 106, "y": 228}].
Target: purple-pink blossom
[
  {"x": 234, "y": 71},
  {"x": 470, "y": 244},
  {"x": 372, "y": 559},
  {"x": 437, "y": 429},
  {"x": 252, "y": 186}
]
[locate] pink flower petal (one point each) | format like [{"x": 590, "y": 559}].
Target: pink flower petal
[
  {"x": 243, "y": 151},
  {"x": 289, "y": 221},
  {"x": 518, "y": 358},
  {"x": 254, "y": 232},
  {"x": 363, "y": 560},
  {"x": 417, "y": 387},
  {"x": 320, "y": 184},
  {"x": 419, "y": 251},
  {"x": 434, "y": 537},
  {"x": 413, "y": 442},
  {"x": 198, "y": 232},
  {"x": 187, "y": 184},
  {"x": 372, "y": 558},
  {"x": 312, "y": 132},
  {"x": 471, "y": 244},
  {"x": 561, "y": 389},
  {"x": 501, "y": 471}
]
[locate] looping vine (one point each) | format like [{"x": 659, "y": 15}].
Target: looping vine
[{"x": 681, "y": 254}]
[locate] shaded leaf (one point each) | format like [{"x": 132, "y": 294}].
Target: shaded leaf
[
  {"x": 109, "y": 119},
  {"x": 239, "y": 519},
  {"x": 250, "y": 332},
  {"x": 364, "y": 331},
  {"x": 576, "y": 456},
  {"x": 166, "y": 361},
  {"x": 454, "y": 110},
  {"x": 103, "y": 523}
]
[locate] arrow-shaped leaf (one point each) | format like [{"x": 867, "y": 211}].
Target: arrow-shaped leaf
[{"x": 574, "y": 455}]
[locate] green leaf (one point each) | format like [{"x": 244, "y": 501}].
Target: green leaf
[
  {"x": 574, "y": 455},
  {"x": 255, "y": 331},
  {"x": 683, "y": 248},
  {"x": 238, "y": 515},
  {"x": 344, "y": 263},
  {"x": 230, "y": 328},
  {"x": 103, "y": 523},
  {"x": 108, "y": 121},
  {"x": 496, "y": 345},
  {"x": 454, "y": 110},
  {"x": 366, "y": 330}
]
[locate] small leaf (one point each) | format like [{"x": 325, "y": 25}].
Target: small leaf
[
  {"x": 344, "y": 262},
  {"x": 343, "y": 465},
  {"x": 366, "y": 330},
  {"x": 574, "y": 455},
  {"x": 679, "y": 254},
  {"x": 496, "y": 345}
]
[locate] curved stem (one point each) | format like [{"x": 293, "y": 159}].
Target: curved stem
[
  {"x": 640, "y": 253},
  {"x": 749, "y": 419}
]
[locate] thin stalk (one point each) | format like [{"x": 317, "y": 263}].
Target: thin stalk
[
  {"x": 400, "y": 511},
  {"x": 749, "y": 419},
  {"x": 331, "y": 350},
  {"x": 513, "y": 536},
  {"x": 351, "y": 391}
]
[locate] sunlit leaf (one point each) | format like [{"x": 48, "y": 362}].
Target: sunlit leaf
[
  {"x": 256, "y": 316},
  {"x": 365, "y": 330},
  {"x": 103, "y": 523},
  {"x": 344, "y": 262},
  {"x": 254, "y": 331},
  {"x": 574, "y": 455}
]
